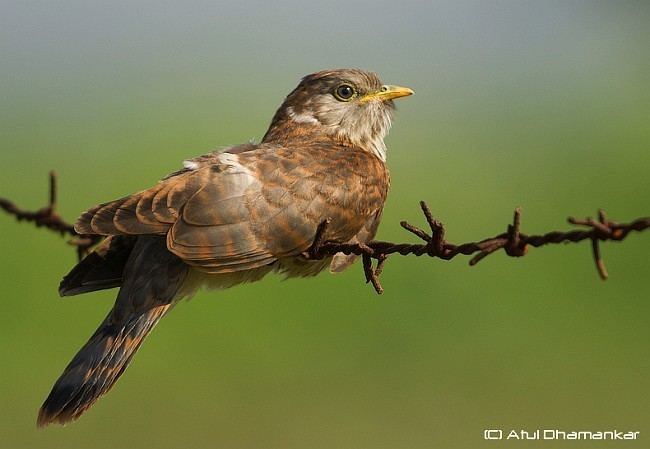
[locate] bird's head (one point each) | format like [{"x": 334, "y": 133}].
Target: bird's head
[{"x": 350, "y": 105}]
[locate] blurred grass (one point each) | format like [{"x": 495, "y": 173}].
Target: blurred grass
[{"x": 447, "y": 351}]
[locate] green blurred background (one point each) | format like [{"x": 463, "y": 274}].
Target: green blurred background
[{"x": 543, "y": 105}]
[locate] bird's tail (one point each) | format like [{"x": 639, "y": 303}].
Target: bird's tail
[{"x": 98, "y": 365}]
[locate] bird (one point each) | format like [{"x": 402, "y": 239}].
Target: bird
[{"x": 229, "y": 217}]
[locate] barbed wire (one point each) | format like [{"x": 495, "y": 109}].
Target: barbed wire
[
  {"x": 513, "y": 242},
  {"x": 47, "y": 217}
]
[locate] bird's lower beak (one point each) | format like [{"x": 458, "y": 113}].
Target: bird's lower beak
[{"x": 388, "y": 92}]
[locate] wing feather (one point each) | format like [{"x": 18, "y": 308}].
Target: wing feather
[
  {"x": 144, "y": 207},
  {"x": 102, "y": 219},
  {"x": 127, "y": 221},
  {"x": 159, "y": 208}
]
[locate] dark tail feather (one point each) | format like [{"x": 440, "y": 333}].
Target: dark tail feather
[
  {"x": 101, "y": 269},
  {"x": 97, "y": 366}
]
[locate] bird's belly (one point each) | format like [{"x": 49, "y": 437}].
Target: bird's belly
[
  {"x": 197, "y": 279},
  {"x": 287, "y": 266},
  {"x": 299, "y": 266}
]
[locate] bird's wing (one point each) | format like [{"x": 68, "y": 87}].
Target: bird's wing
[{"x": 241, "y": 211}]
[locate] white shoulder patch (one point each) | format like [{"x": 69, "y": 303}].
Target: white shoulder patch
[
  {"x": 229, "y": 158},
  {"x": 232, "y": 164},
  {"x": 190, "y": 165}
]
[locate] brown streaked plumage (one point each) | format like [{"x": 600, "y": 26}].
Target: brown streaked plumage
[{"x": 230, "y": 217}]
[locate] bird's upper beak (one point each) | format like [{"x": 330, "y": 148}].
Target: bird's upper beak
[{"x": 388, "y": 92}]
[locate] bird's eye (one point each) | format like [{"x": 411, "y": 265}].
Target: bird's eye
[{"x": 344, "y": 92}]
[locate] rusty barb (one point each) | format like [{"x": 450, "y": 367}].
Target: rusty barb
[{"x": 513, "y": 242}]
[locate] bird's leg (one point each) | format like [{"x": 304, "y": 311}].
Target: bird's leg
[{"x": 314, "y": 251}]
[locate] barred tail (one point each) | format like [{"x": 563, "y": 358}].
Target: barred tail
[{"x": 98, "y": 365}]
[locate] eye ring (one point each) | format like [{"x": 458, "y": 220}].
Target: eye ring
[{"x": 344, "y": 92}]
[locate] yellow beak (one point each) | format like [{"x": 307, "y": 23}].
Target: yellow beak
[{"x": 388, "y": 92}]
